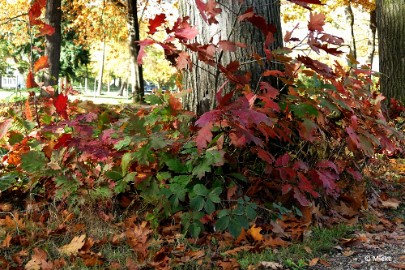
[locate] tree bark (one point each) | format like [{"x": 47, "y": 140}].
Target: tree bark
[
  {"x": 53, "y": 16},
  {"x": 391, "y": 40},
  {"x": 350, "y": 18},
  {"x": 204, "y": 80},
  {"x": 136, "y": 70},
  {"x": 101, "y": 73}
]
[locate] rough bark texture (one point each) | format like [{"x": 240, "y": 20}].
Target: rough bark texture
[
  {"x": 133, "y": 28},
  {"x": 391, "y": 32},
  {"x": 371, "y": 38},
  {"x": 53, "y": 16},
  {"x": 204, "y": 80}
]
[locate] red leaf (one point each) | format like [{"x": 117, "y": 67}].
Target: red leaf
[
  {"x": 356, "y": 174},
  {"x": 304, "y": 3},
  {"x": 183, "y": 30},
  {"x": 183, "y": 61},
  {"x": 286, "y": 188},
  {"x": 46, "y": 29},
  {"x": 317, "y": 66},
  {"x": 4, "y": 126},
  {"x": 328, "y": 181},
  {"x": 41, "y": 63},
  {"x": 301, "y": 198},
  {"x": 175, "y": 104},
  {"x": 316, "y": 21},
  {"x": 64, "y": 140},
  {"x": 142, "y": 44},
  {"x": 282, "y": 160},
  {"x": 273, "y": 73},
  {"x": 204, "y": 136},
  {"x": 30, "y": 82},
  {"x": 34, "y": 13},
  {"x": 208, "y": 10},
  {"x": 307, "y": 129},
  {"x": 227, "y": 45},
  {"x": 60, "y": 104},
  {"x": 327, "y": 164},
  {"x": 353, "y": 137},
  {"x": 264, "y": 155},
  {"x": 305, "y": 185},
  {"x": 156, "y": 22},
  {"x": 258, "y": 21}
]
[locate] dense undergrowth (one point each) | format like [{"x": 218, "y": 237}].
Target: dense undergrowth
[{"x": 262, "y": 167}]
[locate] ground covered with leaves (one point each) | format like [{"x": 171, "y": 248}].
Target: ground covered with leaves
[{"x": 126, "y": 187}]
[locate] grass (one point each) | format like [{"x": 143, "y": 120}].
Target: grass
[{"x": 296, "y": 256}]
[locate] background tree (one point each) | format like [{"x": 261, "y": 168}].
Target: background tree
[
  {"x": 53, "y": 16},
  {"x": 391, "y": 36},
  {"x": 203, "y": 79}
]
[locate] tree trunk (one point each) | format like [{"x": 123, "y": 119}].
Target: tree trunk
[
  {"x": 136, "y": 70},
  {"x": 391, "y": 40},
  {"x": 350, "y": 18},
  {"x": 53, "y": 16},
  {"x": 101, "y": 73},
  {"x": 204, "y": 80},
  {"x": 371, "y": 39}
]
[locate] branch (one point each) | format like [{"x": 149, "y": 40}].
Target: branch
[{"x": 13, "y": 18}]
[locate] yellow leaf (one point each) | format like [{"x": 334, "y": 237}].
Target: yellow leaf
[
  {"x": 255, "y": 233},
  {"x": 74, "y": 246}
]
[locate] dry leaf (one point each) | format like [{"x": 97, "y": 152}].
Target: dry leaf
[
  {"x": 255, "y": 233},
  {"x": 275, "y": 242},
  {"x": 38, "y": 261},
  {"x": 74, "y": 246},
  {"x": 313, "y": 262},
  {"x": 348, "y": 252},
  {"x": 269, "y": 265},
  {"x": 6, "y": 241},
  {"x": 397, "y": 265},
  {"x": 308, "y": 249},
  {"x": 391, "y": 203},
  {"x": 241, "y": 237}
]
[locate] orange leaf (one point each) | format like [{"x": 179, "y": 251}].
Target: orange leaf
[
  {"x": 27, "y": 110},
  {"x": 316, "y": 21},
  {"x": 41, "y": 63},
  {"x": 30, "y": 82},
  {"x": 46, "y": 29},
  {"x": 255, "y": 233},
  {"x": 6, "y": 241}
]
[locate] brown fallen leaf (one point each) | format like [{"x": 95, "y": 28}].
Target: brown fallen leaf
[
  {"x": 313, "y": 262},
  {"x": 74, "y": 246},
  {"x": 39, "y": 261},
  {"x": 348, "y": 252},
  {"x": 229, "y": 264},
  {"x": 6, "y": 241},
  {"x": 391, "y": 203},
  {"x": 269, "y": 265},
  {"x": 397, "y": 265}
]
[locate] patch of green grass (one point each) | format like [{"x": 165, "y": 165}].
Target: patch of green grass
[{"x": 296, "y": 256}]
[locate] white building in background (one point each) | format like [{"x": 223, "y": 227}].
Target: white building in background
[{"x": 12, "y": 81}]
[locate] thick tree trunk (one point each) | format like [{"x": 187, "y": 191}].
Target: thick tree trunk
[
  {"x": 136, "y": 70},
  {"x": 391, "y": 39},
  {"x": 204, "y": 80},
  {"x": 53, "y": 16}
]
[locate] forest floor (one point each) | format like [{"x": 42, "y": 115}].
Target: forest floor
[{"x": 38, "y": 233}]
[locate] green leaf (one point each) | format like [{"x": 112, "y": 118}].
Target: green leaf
[
  {"x": 302, "y": 109},
  {"x": 125, "y": 162},
  {"x": 239, "y": 176},
  {"x": 113, "y": 175},
  {"x": 161, "y": 176},
  {"x": 250, "y": 212},
  {"x": 195, "y": 229},
  {"x": 200, "y": 169},
  {"x": 223, "y": 213},
  {"x": 176, "y": 165},
  {"x": 122, "y": 185},
  {"x": 201, "y": 190},
  {"x": 182, "y": 180},
  {"x": 8, "y": 180},
  {"x": 242, "y": 220},
  {"x": 158, "y": 142},
  {"x": 144, "y": 155},
  {"x": 222, "y": 223},
  {"x": 235, "y": 228},
  {"x": 33, "y": 161},
  {"x": 197, "y": 203},
  {"x": 153, "y": 99},
  {"x": 214, "y": 195},
  {"x": 123, "y": 143},
  {"x": 209, "y": 207}
]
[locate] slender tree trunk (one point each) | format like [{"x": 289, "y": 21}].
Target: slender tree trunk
[
  {"x": 101, "y": 73},
  {"x": 53, "y": 16},
  {"x": 350, "y": 18},
  {"x": 204, "y": 80},
  {"x": 371, "y": 39},
  {"x": 391, "y": 33},
  {"x": 136, "y": 70}
]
